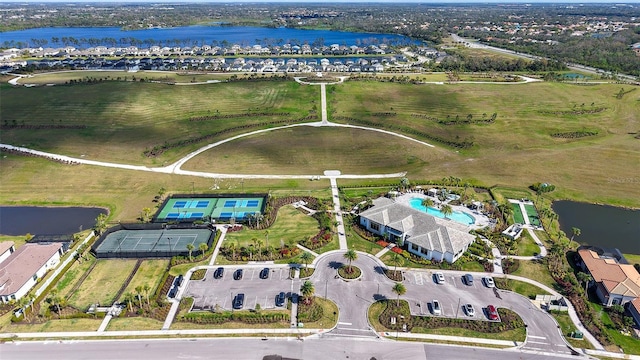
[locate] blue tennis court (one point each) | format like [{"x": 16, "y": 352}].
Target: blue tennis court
[
  {"x": 230, "y": 203},
  {"x": 215, "y": 207},
  {"x": 202, "y": 204},
  {"x": 179, "y": 204}
]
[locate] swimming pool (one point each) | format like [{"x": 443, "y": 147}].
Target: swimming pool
[{"x": 457, "y": 216}]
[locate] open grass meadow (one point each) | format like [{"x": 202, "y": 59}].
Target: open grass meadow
[
  {"x": 102, "y": 284},
  {"x": 518, "y": 148},
  {"x": 118, "y": 121},
  {"x": 63, "y": 77},
  {"x": 290, "y": 225}
]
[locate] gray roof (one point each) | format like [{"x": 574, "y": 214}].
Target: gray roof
[{"x": 429, "y": 232}]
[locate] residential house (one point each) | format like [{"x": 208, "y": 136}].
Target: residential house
[
  {"x": 6, "y": 248},
  {"x": 424, "y": 235},
  {"x": 21, "y": 270},
  {"x": 615, "y": 283}
]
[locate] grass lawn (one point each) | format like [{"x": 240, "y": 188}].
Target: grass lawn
[
  {"x": 333, "y": 245},
  {"x": 150, "y": 272},
  {"x": 135, "y": 323},
  {"x": 290, "y": 225},
  {"x": 628, "y": 344},
  {"x": 64, "y": 76},
  {"x": 535, "y": 271},
  {"x": 567, "y": 326},
  {"x": 357, "y": 243},
  {"x": 103, "y": 283},
  {"x": 57, "y": 326},
  {"x": 525, "y": 289},
  {"x": 472, "y": 266},
  {"x": 73, "y": 275},
  {"x": 632, "y": 258},
  {"x": 526, "y": 245}
]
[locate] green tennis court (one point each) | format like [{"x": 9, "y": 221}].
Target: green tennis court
[
  {"x": 518, "y": 218},
  {"x": 217, "y": 208},
  {"x": 532, "y": 213},
  {"x": 152, "y": 243}
]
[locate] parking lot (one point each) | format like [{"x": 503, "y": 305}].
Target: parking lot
[
  {"x": 453, "y": 294},
  {"x": 210, "y": 292}
]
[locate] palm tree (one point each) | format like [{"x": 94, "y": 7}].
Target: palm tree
[
  {"x": 129, "y": 298},
  {"x": 395, "y": 259},
  {"x": 575, "y": 232},
  {"x": 138, "y": 294},
  {"x": 101, "y": 223},
  {"x": 266, "y": 236},
  {"x": 306, "y": 257},
  {"x": 203, "y": 248},
  {"x": 190, "y": 247},
  {"x": 446, "y": 210},
  {"x": 399, "y": 289},
  {"x": 232, "y": 247},
  {"x": 426, "y": 202},
  {"x": 584, "y": 278},
  {"x": 146, "y": 289},
  {"x": 350, "y": 255},
  {"x": 307, "y": 290},
  {"x": 404, "y": 183},
  {"x": 506, "y": 210}
]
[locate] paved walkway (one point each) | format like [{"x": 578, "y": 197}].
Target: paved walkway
[
  {"x": 315, "y": 254},
  {"x": 383, "y": 251},
  {"x": 335, "y": 195},
  {"x": 223, "y": 233}
]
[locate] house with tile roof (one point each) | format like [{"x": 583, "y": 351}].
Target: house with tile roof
[
  {"x": 6, "y": 248},
  {"x": 615, "y": 283},
  {"x": 20, "y": 271},
  {"x": 427, "y": 236}
]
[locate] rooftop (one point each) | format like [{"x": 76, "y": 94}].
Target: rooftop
[
  {"x": 617, "y": 278},
  {"x": 20, "y": 266},
  {"x": 5, "y": 245}
]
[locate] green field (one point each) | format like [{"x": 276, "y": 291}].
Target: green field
[
  {"x": 517, "y": 214},
  {"x": 514, "y": 151},
  {"x": 290, "y": 225},
  {"x": 102, "y": 284},
  {"x": 150, "y": 272}
]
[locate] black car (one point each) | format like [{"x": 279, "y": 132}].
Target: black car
[
  {"x": 178, "y": 281},
  {"x": 264, "y": 274},
  {"x": 280, "y": 299},
  {"x": 238, "y": 302},
  {"x": 237, "y": 275},
  {"x": 218, "y": 273},
  {"x": 468, "y": 279}
]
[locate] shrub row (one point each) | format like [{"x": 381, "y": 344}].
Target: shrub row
[
  {"x": 384, "y": 114},
  {"x": 231, "y": 116},
  {"x": 29, "y": 154},
  {"x": 6, "y": 126},
  {"x": 468, "y": 120},
  {"x": 574, "y": 111},
  {"x": 574, "y": 134},
  {"x": 240, "y": 316},
  {"x": 159, "y": 149},
  {"x": 464, "y": 144}
]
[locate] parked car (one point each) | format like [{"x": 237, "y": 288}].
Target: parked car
[
  {"x": 439, "y": 277},
  {"x": 172, "y": 292},
  {"x": 436, "y": 308},
  {"x": 492, "y": 312},
  {"x": 488, "y": 281},
  {"x": 178, "y": 281},
  {"x": 219, "y": 273},
  {"x": 238, "y": 302},
  {"x": 468, "y": 279},
  {"x": 468, "y": 308},
  {"x": 237, "y": 275},
  {"x": 280, "y": 299},
  {"x": 264, "y": 273}
]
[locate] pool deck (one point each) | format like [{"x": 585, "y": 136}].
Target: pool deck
[{"x": 481, "y": 220}]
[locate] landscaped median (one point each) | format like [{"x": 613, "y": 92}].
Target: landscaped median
[{"x": 394, "y": 318}]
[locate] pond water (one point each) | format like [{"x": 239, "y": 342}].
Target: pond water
[
  {"x": 195, "y": 35},
  {"x": 600, "y": 225},
  {"x": 38, "y": 220}
]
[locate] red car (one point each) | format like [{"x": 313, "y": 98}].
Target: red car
[{"x": 492, "y": 313}]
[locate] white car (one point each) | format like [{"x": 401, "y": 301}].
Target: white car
[
  {"x": 436, "y": 308},
  {"x": 488, "y": 281},
  {"x": 439, "y": 278},
  {"x": 468, "y": 308}
]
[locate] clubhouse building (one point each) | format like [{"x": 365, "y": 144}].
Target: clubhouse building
[{"x": 427, "y": 236}]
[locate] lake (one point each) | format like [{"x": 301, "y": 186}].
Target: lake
[
  {"x": 37, "y": 220},
  {"x": 600, "y": 225},
  {"x": 197, "y": 35}
]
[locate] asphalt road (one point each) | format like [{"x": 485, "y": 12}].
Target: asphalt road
[{"x": 333, "y": 348}]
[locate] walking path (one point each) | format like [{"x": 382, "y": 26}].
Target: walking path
[
  {"x": 335, "y": 195},
  {"x": 383, "y": 251},
  {"x": 223, "y": 233},
  {"x": 315, "y": 254}
]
